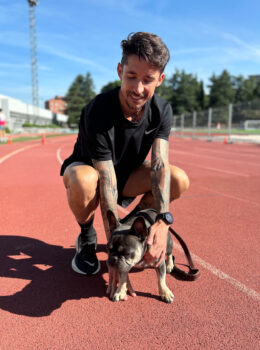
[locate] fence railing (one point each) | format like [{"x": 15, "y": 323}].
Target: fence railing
[{"x": 238, "y": 119}]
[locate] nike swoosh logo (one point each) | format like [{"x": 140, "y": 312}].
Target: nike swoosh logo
[
  {"x": 90, "y": 264},
  {"x": 147, "y": 132}
]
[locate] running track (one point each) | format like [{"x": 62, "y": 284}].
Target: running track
[{"x": 45, "y": 305}]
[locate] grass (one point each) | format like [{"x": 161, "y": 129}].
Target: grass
[
  {"x": 222, "y": 131},
  {"x": 38, "y": 137}
]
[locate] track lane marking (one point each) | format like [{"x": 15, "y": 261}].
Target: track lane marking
[
  {"x": 211, "y": 168},
  {"x": 227, "y": 195},
  {"x": 216, "y": 158},
  {"x": 234, "y": 153},
  {"x": 224, "y": 276},
  {"x": 218, "y": 170},
  {"x": 11, "y": 154},
  {"x": 58, "y": 155},
  {"x": 215, "y": 271}
]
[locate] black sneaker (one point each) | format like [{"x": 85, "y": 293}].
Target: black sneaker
[{"x": 85, "y": 260}]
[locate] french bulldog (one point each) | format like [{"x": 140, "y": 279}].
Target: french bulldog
[{"x": 127, "y": 247}]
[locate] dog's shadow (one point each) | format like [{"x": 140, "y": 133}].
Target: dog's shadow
[{"x": 48, "y": 275}]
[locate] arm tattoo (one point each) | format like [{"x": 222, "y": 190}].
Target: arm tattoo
[
  {"x": 160, "y": 175},
  {"x": 107, "y": 190}
]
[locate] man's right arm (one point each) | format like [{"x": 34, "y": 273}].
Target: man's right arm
[{"x": 107, "y": 190}]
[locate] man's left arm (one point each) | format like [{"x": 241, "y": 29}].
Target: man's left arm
[{"x": 160, "y": 179}]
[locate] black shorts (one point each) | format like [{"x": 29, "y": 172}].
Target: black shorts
[{"x": 122, "y": 201}]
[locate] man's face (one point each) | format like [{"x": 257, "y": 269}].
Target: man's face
[{"x": 138, "y": 81}]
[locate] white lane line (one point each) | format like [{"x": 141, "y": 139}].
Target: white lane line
[
  {"x": 217, "y": 158},
  {"x": 218, "y": 170},
  {"x": 220, "y": 274},
  {"x": 9, "y": 155},
  {"x": 227, "y": 195},
  {"x": 211, "y": 168},
  {"x": 233, "y": 153},
  {"x": 224, "y": 276},
  {"x": 58, "y": 155}
]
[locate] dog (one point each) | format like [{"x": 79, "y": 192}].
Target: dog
[{"x": 127, "y": 247}]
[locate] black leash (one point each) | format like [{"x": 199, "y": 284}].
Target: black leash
[{"x": 193, "y": 273}]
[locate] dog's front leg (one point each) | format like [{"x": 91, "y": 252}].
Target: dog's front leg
[
  {"x": 165, "y": 293},
  {"x": 121, "y": 291}
]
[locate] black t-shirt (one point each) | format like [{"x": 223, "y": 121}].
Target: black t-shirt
[{"x": 105, "y": 134}]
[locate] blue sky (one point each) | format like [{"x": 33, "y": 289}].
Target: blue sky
[{"x": 79, "y": 36}]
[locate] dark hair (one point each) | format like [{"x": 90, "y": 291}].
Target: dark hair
[{"x": 148, "y": 46}]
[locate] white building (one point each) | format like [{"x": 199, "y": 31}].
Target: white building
[{"x": 17, "y": 113}]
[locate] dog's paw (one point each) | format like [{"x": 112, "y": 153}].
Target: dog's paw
[
  {"x": 167, "y": 295},
  {"x": 119, "y": 295}
]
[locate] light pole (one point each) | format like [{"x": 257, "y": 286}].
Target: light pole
[{"x": 34, "y": 60}]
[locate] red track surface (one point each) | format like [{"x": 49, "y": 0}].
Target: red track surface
[{"x": 45, "y": 305}]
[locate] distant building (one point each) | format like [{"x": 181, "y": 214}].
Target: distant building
[
  {"x": 18, "y": 113},
  {"x": 57, "y": 105}
]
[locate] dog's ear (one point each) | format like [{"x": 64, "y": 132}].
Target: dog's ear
[
  {"x": 112, "y": 220},
  {"x": 139, "y": 227}
]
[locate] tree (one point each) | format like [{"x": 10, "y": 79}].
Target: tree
[
  {"x": 185, "y": 91},
  {"x": 165, "y": 90},
  {"x": 79, "y": 94},
  {"x": 221, "y": 90},
  {"x": 257, "y": 90},
  {"x": 244, "y": 89},
  {"x": 111, "y": 85},
  {"x": 201, "y": 96}
]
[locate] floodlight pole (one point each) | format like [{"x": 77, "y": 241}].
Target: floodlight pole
[{"x": 33, "y": 47}]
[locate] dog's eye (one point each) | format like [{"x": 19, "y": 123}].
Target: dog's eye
[{"x": 130, "y": 255}]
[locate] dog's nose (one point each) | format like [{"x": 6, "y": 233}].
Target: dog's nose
[{"x": 113, "y": 260}]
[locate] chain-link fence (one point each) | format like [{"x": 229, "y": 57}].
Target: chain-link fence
[{"x": 229, "y": 123}]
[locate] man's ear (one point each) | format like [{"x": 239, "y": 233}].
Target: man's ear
[
  {"x": 139, "y": 227},
  {"x": 120, "y": 70},
  {"x": 112, "y": 220},
  {"x": 160, "y": 79}
]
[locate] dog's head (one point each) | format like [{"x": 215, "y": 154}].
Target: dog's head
[{"x": 126, "y": 245}]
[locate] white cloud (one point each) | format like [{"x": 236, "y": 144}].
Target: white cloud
[
  {"x": 66, "y": 56},
  {"x": 243, "y": 49}
]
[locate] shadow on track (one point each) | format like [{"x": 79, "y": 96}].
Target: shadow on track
[{"x": 50, "y": 278}]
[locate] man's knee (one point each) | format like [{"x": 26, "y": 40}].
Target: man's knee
[
  {"x": 81, "y": 177},
  {"x": 81, "y": 182},
  {"x": 179, "y": 182}
]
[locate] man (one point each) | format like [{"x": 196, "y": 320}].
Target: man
[
  {"x": 117, "y": 130},
  {"x": 2, "y": 126}
]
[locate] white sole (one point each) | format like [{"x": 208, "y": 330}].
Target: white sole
[
  {"x": 76, "y": 269},
  {"x": 74, "y": 266}
]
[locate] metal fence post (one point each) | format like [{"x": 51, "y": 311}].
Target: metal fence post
[
  {"x": 209, "y": 123},
  {"x": 230, "y": 110},
  {"x": 182, "y": 125},
  {"x": 174, "y": 125},
  {"x": 194, "y": 122}
]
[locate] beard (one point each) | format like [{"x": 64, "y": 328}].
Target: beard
[{"x": 129, "y": 101}]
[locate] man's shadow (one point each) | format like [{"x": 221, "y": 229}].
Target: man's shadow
[{"x": 51, "y": 280}]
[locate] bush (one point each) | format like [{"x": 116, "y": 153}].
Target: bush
[{"x": 28, "y": 125}]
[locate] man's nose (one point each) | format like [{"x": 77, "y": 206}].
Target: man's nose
[{"x": 139, "y": 87}]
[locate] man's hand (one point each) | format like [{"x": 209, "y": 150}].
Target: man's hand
[
  {"x": 113, "y": 283},
  {"x": 157, "y": 241}
]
